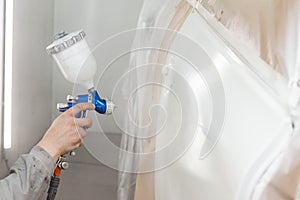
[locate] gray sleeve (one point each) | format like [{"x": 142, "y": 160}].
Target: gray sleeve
[{"x": 29, "y": 176}]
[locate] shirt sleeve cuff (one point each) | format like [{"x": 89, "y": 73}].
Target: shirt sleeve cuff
[{"x": 44, "y": 157}]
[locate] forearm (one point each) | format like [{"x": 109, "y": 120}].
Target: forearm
[{"x": 29, "y": 176}]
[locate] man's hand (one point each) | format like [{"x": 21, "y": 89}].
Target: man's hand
[{"x": 66, "y": 132}]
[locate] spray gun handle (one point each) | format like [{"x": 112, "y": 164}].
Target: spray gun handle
[
  {"x": 102, "y": 106},
  {"x": 62, "y": 107}
]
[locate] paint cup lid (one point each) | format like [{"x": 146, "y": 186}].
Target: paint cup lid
[{"x": 63, "y": 41}]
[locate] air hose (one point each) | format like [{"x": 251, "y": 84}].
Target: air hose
[
  {"x": 55, "y": 179},
  {"x": 54, "y": 183}
]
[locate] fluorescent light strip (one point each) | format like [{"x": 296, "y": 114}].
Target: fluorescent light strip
[{"x": 8, "y": 73}]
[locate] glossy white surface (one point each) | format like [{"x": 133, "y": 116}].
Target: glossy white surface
[{"x": 254, "y": 120}]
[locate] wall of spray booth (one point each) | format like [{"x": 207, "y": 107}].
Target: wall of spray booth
[{"x": 31, "y": 76}]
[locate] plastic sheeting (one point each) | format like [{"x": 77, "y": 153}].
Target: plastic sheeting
[
  {"x": 148, "y": 65},
  {"x": 210, "y": 119}
]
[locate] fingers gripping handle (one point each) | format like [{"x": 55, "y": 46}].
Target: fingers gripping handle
[{"x": 102, "y": 106}]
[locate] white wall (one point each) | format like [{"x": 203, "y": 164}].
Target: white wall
[
  {"x": 100, "y": 19},
  {"x": 32, "y": 68},
  {"x": 2, "y": 166}
]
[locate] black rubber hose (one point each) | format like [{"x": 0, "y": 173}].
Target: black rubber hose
[{"x": 54, "y": 183}]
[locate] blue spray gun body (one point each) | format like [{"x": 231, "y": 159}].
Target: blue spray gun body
[{"x": 102, "y": 106}]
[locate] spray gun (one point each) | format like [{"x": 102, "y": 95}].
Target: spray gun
[
  {"x": 102, "y": 106},
  {"x": 78, "y": 65}
]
